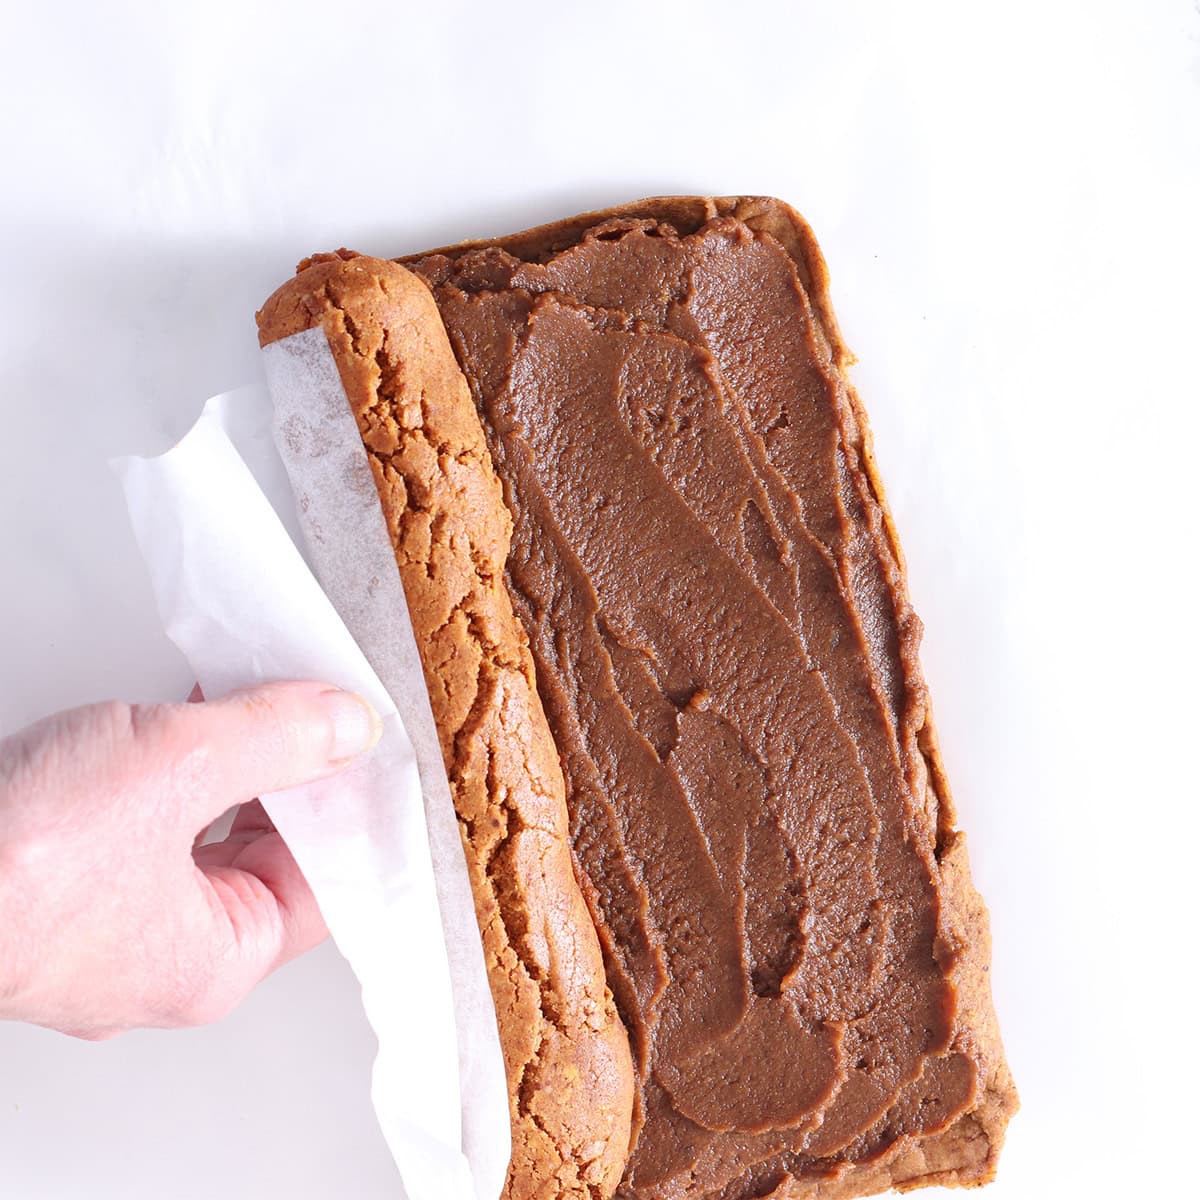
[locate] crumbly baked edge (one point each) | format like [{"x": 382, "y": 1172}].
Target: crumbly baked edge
[
  {"x": 570, "y": 1074},
  {"x": 966, "y": 1153}
]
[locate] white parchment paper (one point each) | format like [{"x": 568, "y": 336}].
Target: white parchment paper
[{"x": 378, "y": 843}]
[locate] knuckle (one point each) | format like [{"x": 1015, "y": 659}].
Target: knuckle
[
  {"x": 153, "y": 745},
  {"x": 119, "y": 730},
  {"x": 169, "y": 737},
  {"x": 71, "y": 769},
  {"x": 93, "y": 729},
  {"x": 112, "y": 719},
  {"x": 113, "y": 725},
  {"x": 57, "y": 749},
  {"x": 154, "y": 726}
]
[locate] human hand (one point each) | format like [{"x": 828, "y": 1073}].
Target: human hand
[{"x": 111, "y": 917}]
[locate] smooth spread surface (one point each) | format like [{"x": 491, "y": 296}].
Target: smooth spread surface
[
  {"x": 728, "y": 663},
  {"x": 566, "y": 1053}
]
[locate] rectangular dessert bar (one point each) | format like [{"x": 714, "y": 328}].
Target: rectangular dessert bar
[
  {"x": 715, "y": 599},
  {"x": 656, "y": 587}
]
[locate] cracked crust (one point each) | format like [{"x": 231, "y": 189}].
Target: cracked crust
[
  {"x": 566, "y": 1053},
  {"x": 965, "y": 1154}
]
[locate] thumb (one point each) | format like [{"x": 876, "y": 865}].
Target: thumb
[{"x": 268, "y": 738}]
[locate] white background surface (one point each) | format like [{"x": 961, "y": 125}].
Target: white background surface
[{"x": 1007, "y": 196}]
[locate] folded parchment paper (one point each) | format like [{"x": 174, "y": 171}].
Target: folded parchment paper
[{"x": 379, "y": 843}]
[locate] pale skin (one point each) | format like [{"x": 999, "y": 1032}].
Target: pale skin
[{"x": 112, "y": 917}]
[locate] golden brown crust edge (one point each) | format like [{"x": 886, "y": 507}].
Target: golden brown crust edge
[
  {"x": 566, "y": 1052},
  {"x": 966, "y": 1153}
]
